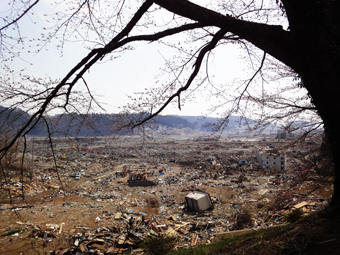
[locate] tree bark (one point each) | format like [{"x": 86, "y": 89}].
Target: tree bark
[
  {"x": 315, "y": 27},
  {"x": 327, "y": 101}
]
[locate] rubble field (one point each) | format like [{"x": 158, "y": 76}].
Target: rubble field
[{"x": 107, "y": 196}]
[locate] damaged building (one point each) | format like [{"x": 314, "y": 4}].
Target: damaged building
[{"x": 272, "y": 159}]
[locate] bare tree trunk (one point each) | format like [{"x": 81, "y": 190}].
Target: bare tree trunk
[
  {"x": 336, "y": 193},
  {"x": 323, "y": 86},
  {"x": 333, "y": 134}
]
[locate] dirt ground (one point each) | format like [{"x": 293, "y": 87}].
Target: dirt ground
[{"x": 46, "y": 221}]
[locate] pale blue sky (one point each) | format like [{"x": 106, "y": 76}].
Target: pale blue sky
[{"x": 131, "y": 72}]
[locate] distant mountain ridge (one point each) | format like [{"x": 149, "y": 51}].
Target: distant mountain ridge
[
  {"x": 106, "y": 124},
  {"x": 210, "y": 123}
]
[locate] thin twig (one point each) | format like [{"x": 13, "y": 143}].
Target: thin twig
[{"x": 22, "y": 15}]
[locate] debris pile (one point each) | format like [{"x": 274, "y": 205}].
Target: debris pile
[{"x": 194, "y": 190}]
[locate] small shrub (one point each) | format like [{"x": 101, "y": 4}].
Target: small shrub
[
  {"x": 152, "y": 202},
  {"x": 243, "y": 219},
  {"x": 297, "y": 246},
  {"x": 294, "y": 215},
  {"x": 159, "y": 245},
  {"x": 281, "y": 200}
]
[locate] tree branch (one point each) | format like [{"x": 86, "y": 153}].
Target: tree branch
[
  {"x": 270, "y": 38},
  {"x": 22, "y": 15},
  {"x": 218, "y": 36}
]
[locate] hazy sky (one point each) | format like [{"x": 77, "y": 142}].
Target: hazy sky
[{"x": 131, "y": 72}]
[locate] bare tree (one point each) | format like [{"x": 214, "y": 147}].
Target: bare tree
[{"x": 303, "y": 35}]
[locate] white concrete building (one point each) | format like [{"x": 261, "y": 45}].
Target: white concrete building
[{"x": 271, "y": 159}]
